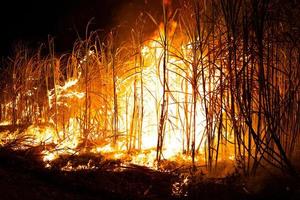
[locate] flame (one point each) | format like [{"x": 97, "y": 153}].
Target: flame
[
  {"x": 66, "y": 136},
  {"x": 4, "y": 123}
]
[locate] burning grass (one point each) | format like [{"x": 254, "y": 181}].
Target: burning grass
[
  {"x": 206, "y": 92},
  {"x": 92, "y": 176}
]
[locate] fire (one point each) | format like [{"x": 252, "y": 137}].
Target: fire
[
  {"x": 77, "y": 114},
  {"x": 198, "y": 92}
]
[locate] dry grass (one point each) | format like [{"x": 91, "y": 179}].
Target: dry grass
[{"x": 243, "y": 68}]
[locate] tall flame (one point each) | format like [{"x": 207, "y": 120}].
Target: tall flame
[{"x": 138, "y": 112}]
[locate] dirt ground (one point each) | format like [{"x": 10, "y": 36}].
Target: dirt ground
[{"x": 22, "y": 176}]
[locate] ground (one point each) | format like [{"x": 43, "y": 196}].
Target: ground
[{"x": 22, "y": 176}]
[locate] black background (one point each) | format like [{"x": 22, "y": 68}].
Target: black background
[{"x": 32, "y": 21}]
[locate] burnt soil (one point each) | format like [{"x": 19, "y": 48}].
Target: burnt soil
[{"x": 23, "y": 176}]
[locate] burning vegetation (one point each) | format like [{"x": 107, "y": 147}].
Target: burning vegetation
[{"x": 215, "y": 88}]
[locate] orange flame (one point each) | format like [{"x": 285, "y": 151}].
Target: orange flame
[{"x": 68, "y": 139}]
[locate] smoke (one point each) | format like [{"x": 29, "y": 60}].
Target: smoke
[{"x": 133, "y": 15}]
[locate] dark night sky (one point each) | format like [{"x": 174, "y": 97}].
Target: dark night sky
[{"x": 32, "y": 21}]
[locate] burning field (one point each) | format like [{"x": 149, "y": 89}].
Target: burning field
[{"x": 204, "y": 105}]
